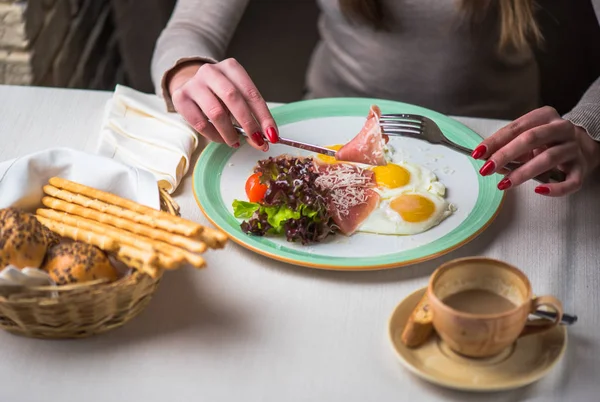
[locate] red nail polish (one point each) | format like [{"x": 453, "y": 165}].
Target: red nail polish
[
  {"x": 543, "y": 190},
  {"x": 236, "y": 145},
  {"x": 504, "y": 184},
  {"x": 272, "y": 135},
  {"x": 479, "y": 152},
  {"x": 487, "y": 168},
  {"x": 258, "y": 139}
]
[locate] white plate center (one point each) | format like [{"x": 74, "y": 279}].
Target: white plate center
[{"x": 453, "y": 169}]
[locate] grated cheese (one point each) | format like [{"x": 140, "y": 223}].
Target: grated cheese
[{"x": 346, "y": 184}]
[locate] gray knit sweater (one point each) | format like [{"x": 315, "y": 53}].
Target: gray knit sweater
[{"x": 427, "y": 58}]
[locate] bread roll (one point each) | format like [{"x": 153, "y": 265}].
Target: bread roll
[
  {"x": 52, "y": 239},
  {"x": 78, "y": 262},
  {"x": 23, "y": 242}
]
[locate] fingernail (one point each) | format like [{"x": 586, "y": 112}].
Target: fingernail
[
  {"x": 504, "y": 184},
  {"x": 479, "y": 152},
  {"x": 258, "y": 139},
  {"x": 543, "y": 190},
  {"x": 236, "y": 145},
  {"x": 272, "y": 135},
  {"x": 487, "y": 168}
]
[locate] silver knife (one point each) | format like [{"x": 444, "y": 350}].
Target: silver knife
[{"x": 295, "y": 144}]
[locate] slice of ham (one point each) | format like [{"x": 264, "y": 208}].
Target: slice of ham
[
  {"x": 356, "y": 214},
  {"x": 367, "y": 146},
  {"x": 351, "y": 197}
]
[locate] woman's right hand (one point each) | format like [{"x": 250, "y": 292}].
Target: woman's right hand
[{"x": 217, "y": 92}]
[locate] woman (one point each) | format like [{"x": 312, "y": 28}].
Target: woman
[{"x": 466, "y": 57}]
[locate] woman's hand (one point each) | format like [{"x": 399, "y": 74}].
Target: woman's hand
[
  {"x": 218, "y": 92},
  {"x": 542, "y": 140}
]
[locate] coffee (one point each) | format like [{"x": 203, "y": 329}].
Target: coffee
[
  {"x": 480, "y": 306},
  {"x": 479, "y": 301}
]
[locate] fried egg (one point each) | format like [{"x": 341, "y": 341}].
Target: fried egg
[
  {"x": 330, "y": 159},
  {"x": 411, "y": 200},
  {"x": 411, "y": 197},
  {"x": 397, "y": 178},
  {"x": 407, "y": 213}
]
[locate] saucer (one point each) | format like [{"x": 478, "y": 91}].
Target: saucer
[{"x": 525, "y": 362}]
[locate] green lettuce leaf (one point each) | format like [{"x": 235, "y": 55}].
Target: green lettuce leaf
[
  {"x": 277, "y": 215},
  {"x": 244, "y": 209},
  {"x": 308, "y": 211}
]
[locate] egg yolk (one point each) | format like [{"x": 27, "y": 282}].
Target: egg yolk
[
  {"x": 391, "y": 176},
  {"x": 330, "y": 159},
  {"x": 413, "y": 207}
]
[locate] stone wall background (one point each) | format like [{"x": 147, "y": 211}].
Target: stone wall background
[{"x": 59, "y": 43}]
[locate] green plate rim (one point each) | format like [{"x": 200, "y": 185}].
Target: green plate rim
[{"x": 207, "y": 189}]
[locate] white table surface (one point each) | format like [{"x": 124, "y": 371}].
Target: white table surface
[{"x": 251, "y": 329}]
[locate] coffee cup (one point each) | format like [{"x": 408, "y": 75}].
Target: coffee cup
[{"x": 481, "y": 306}]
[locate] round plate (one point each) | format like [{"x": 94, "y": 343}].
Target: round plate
[
  {"x": 528, "y": 360},
  {"x": 221, "y": 172}
]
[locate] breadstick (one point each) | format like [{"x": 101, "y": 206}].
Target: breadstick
[
  {"x": 149, "y": 216},
  {"x": 127, "y": 209},
  {"x": 213, "y": 238},
  {"x": 137, "y": 264},
  {"x": 156, "y": 234},
  {"x": 101, "y": 241},
  {"x": 146, "y": 259},
  {"x": 119, "y": 235},
  {"x": 173, "y": 255},
  {"x": 419, "y": 326},
  {"x": 145, "y": 256}
]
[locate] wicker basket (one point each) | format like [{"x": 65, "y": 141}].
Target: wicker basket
[{"x": 80, "y": 310}]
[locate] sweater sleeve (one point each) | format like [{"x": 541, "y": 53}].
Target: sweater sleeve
[
  {"x": 586, "y": 113},
  {"x": 198, "y": 30}
]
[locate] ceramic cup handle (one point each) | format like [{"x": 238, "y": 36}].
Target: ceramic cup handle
[{"x": 536, "y": 326}]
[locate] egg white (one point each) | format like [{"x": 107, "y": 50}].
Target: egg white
[
  {"x": 421, "y": 179},
  {"x": 384, "y": 220}
]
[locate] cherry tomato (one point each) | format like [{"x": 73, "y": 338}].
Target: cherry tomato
[{"x": 255, "y": 190}]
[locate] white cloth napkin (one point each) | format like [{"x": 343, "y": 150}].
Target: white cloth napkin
[
  {"x": 22, "y": 179},
  {"x": 13, "y": 279},
  {"x": 137, "y": 130}
]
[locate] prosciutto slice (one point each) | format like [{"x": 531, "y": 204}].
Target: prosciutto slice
[
  {"x": 367, "y": 146},
  {"x": 356, "y": 214},
  {"x": 351, "y": 197}
]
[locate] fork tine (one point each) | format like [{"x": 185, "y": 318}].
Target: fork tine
[
  {"x": 400, "y": 124},
  {"x": 404, "y": 133},
  {"x": 396, "y": 119},
  {"x": 402, "y": 116}
]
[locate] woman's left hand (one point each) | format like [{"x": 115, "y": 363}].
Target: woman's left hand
[{"x": 542, "y": 140}]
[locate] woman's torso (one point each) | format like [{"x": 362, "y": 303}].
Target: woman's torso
[{"x": 427, "y": 57}]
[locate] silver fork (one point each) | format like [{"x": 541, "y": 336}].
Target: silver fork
[{"x": 423, "y": 128}]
